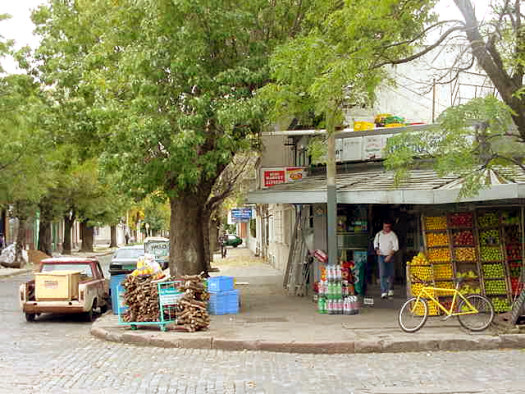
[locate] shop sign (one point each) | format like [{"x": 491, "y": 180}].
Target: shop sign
[
  {"x": 275, "y": 176},
  {"x": 373, "y": 146},
  {"x": 239, "y": 215},
  {"x": 360, "y": 148}
]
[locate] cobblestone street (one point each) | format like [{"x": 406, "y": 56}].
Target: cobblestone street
[{"x": 57, "y": 354}]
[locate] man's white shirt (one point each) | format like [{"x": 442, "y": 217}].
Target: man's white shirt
[{"x": 386, "y": 243}]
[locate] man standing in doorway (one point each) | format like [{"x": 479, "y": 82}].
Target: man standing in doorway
[{"x": 386, "y": 245}]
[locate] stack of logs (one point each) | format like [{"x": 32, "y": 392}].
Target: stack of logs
[
  {"x": 141, "y": 297},
  {"x": 192, "y": 313}
]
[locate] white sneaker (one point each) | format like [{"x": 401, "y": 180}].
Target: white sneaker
[
  {"x": 383, "y": 295},
  {"x": 390, "y": 293}
]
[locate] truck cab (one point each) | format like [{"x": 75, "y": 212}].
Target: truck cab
[
  {"x": 65, "y": 285},
  {"x": 160, "y": 248}
]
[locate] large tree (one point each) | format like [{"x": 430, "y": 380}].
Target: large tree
[
  {"x": 25, "y": 170},
  {"x": 482, "y": 136},
  {"x": 177, "y": 81}
]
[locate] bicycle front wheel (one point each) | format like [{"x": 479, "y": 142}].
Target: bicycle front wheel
[
  {"x": 413, "y": 314},
  {"x": 476, "y": 321}
]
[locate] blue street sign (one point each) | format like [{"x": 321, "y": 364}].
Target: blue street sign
[{"x": 241, "y": 214}]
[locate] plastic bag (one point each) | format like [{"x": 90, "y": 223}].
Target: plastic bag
[{"x": 147, "y": 266}]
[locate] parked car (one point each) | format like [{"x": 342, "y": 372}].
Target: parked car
[
  {"x": 65, "y": 285},
  {"x": 125, "y": 259},
  {"x": 160, "y": 248},
  {"x": 232, "y": 240}
]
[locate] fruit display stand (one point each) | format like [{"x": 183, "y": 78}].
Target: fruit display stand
[
  {"x": 463, "y": 235},
  {"x": 485, "y": 247},
  {"x": 514, "y": 241},
  {"x": 438, "y": 247},
  {"x": 494, "y": 268},
  {"x": 420, "y": 273}
]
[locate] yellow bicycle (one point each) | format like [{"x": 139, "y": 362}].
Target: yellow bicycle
[{"x": 475, "y": 312}]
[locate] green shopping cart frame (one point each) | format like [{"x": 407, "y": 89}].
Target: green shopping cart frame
[{"x": 169, "y": 296}]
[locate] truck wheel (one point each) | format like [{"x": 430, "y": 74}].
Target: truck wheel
[
  {"x": 90, "y": 315},
  {"x": 30, "y": 317}
]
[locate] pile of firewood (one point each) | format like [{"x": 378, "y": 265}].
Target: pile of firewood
[
  {"x": 192, "y": 314},
  {"x": 141, "y": 297}
]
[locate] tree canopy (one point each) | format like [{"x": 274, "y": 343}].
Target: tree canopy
[
  {"x": 340, "y": 56},
  {"x": 168, "y": 89},
  {"x": 485, "y": 134}
]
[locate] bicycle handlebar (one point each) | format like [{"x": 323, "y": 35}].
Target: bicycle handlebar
[{"x": 457, "y": 281}]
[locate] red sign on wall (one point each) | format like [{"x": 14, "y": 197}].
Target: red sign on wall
[{"x": 273, "y": 177}]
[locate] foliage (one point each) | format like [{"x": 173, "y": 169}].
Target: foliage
[
  {"x": 339, "y": 59},
  {"x": 471, "y": 140},
  {"x": 317, "y": 150},
  {"x": 164, "y": 89},
  {"x": 25, "y": 169},
  {"x": 72, "y": 122},
  {"x": 483, "y": 135},
  {"x": 183, "y": 111},
  {"x": 156, "y": 213}
]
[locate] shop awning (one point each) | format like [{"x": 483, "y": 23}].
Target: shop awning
[{"x": 376, "y": 186}]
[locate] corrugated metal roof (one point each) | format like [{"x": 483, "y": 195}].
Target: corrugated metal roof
[{"x": 376, "y": 186}]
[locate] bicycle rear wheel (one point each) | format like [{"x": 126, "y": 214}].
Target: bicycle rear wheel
[
  {"x": 413, "y": 314},
  {"x": 476, "y": 321}
]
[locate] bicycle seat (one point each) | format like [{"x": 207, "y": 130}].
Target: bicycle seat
[{"x": 458, "y": 281}]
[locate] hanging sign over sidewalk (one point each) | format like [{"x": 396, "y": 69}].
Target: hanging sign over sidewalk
[
  {"x": 239, "y": 215},
  {"x": 275, "y": 176}
]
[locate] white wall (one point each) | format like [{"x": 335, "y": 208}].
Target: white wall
[
  {"x": 412, "y": 95},
  {"x": 281, "y": 220},
  {"x": 103, "y": 235}
]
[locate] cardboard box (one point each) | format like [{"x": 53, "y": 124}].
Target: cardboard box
[{"x": 58, "y": 285}]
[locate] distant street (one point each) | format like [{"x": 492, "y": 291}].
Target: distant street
[{"x": 57, "y": 354}]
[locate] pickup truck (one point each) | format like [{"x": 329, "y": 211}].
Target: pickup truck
[{"x": 65, "y": 285}]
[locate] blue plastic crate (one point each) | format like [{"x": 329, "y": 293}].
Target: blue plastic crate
[
  {"x": 220, "y": 283},
  {"x": 226, "y": 302}
]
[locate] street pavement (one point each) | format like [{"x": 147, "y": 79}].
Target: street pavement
[{"x": 57, "y": 355}]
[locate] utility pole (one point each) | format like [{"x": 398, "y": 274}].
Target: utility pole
[{"x": 331, "y": 191}]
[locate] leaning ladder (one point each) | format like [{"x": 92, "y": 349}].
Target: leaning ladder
[{"x": 297, "y": 270}]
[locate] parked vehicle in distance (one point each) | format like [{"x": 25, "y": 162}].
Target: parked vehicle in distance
[
  {"x": 65, "y": 285},
  {"x": 232, "y": 240},
  {"x": 125, "y": 259},
  {"x": 160, "y": 248}
]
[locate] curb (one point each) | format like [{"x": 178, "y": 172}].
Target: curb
[
  {"x": 504, "y": 341},
  {"x": 21, "y": 272}
]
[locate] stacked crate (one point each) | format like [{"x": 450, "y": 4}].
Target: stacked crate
[{"x": 224, "y": 299}]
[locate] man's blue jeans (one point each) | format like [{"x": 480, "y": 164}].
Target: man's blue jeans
[{"x": 386, "y": 273}]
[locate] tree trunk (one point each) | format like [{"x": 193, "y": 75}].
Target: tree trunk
[
  {"x": 187, "y": 251},
  {"x": 44, "y": 236},
  {"x": 490, "y": 61},
  {"x": 208, "y": 254},
  {"x": 20, "y": 243},
  {"x": 113, "y": 243},
  {"x": 87, "y": 233},
  {"x": 214, "y": 237},
  {"x": 68, "y": 225}
]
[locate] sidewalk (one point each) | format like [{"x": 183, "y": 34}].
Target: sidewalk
[
  {"x": 272, "y": 321},
  {"x": 99, "y": 251}
]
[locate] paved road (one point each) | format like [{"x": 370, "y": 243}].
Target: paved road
[{"x": 57, "y": 354}]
